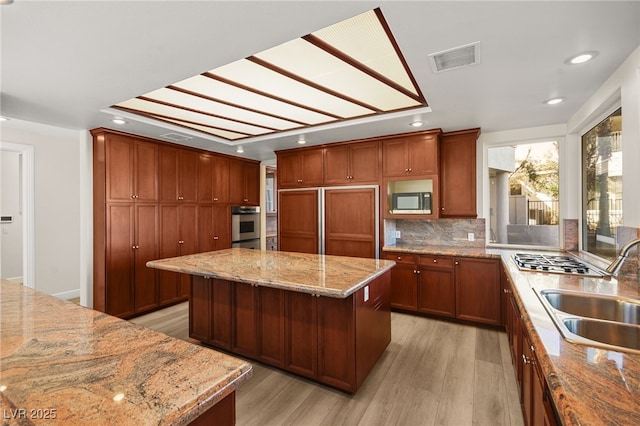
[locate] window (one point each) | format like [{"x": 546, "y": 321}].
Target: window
[
  {"x": 602, "y": 186},
  {"x": 524, "y": 194}
]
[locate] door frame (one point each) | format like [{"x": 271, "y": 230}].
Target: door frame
[{"x": 28, "y": 203}]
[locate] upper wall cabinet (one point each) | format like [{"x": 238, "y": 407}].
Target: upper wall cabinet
[
  {"x": 245, "y": 189},
  {"x": 411, "y": 156},
  {"x": 178, "y": 175},
  {"x": 458, "y": 174},
  {"x": 355, "y": 163},
  {"x": 300, "y": 168},
  {"x": 132, "y": 169}
]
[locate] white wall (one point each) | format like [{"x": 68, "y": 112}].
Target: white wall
[
  {"x": 57, "y": 209},
  {"x": 10, "y": 233}
]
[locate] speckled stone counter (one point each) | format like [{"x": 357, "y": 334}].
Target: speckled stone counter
[
  {"x": 589, "y": 385},
  {"x": 61, "y": 363},
  {"x": 321, "y": 275}
]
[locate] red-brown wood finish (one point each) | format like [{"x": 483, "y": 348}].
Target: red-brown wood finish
[
  {"x": 403, "y": 281},
  {"x": 478, "y": 290},
  {"x": 350, "y": 164},
  {"x": 333, "y": 341},
  {"x": 350, "y": 225},
  {"x": 221, "y": 414},
  {"x": 436, "y": 286},
  {"x": 246, "y": 190},
  {"x": 458, "y": 174},
  {"x": 135, "y": 176},
  {"x": 410, "y": 155},
  {"x": 300, "y": 168},
  {"x": 298, "y": 221}
]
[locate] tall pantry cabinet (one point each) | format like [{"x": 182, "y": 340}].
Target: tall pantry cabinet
[{"x": 154, "y": 200}]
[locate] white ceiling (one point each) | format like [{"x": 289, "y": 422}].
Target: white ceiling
[{"x": 64, "y": 63}]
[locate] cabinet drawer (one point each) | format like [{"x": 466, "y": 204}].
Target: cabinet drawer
[
  {"x": 436, "y": 261},
  {"x": 404, "y": 258}
]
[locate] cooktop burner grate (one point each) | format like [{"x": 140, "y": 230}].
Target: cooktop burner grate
[{"x": 559, "y": 264}]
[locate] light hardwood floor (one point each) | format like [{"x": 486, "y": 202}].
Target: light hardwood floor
[{"x": 433, "y": 373}]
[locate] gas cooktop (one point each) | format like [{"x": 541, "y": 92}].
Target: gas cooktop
[{"x": 559, "y": 264}]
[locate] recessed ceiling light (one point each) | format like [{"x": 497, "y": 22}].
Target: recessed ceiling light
[
  {"x": 417, "y": 123},
  {"x": 119, "y": 120},
  {"x": 302, "y": 140},
  {"x": 6, "y": 1},
  {"x": 554, "y": 101},
  {"x": 581, "y": 58},
  {"x": 240, "y": 150}
]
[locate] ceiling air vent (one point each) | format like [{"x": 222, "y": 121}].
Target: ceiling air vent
[
  {"x": 175, "y": 137},
  {"x": 457, "y": 57}
]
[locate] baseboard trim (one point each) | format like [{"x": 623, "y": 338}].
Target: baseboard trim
[{"x": 66, "y": 295}]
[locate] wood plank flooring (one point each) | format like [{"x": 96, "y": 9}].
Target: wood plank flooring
[{"x": 433, "y": 373}]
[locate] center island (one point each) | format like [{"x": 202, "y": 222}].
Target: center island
[{"x": 326, "y": 318}]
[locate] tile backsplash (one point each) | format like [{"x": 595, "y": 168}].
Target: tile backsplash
[{"x": 442, "y": 232}]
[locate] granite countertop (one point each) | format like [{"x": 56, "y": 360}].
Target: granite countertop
[
  {"x": 65, "y": 364},
  {"x": 589, "y": 385},
  {"x": 321, "y": 275}
]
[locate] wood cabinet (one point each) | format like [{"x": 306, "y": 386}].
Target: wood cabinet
[
  {"x": 245, "y": 189},
  {"x": 333, "y": 341},
  {"x": 298, "y": 221},
  {"x": 465, "y": 288},
  {"x": 350, "y": 222},
  {"x": 411, "y": 155},
  {"x": 355, "y": 163},
  {"x": 478, "y": 290},
  {"x": 300, "y": 168},
  {"x": 436, "y": 286},
  {"x": 178, "y": 175},
  {"x": 458, "y": 174},
  {"x": 153, "y": 199},
  {"x": 214, "y": 227}
]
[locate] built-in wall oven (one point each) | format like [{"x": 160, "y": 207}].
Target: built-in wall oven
[{"x": 245, "y": 227}]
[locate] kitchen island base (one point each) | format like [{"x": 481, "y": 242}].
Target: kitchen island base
[{"x": 334, "y": 341}]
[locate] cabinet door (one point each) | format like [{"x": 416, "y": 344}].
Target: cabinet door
[
  {"x": 350, "y": 225},
  {"x": 478, "y": 290},
  {"x": 312, "y": 167},
  {"x": 394, "y": 157},
  {"x": 403, "y": 281},
  {"x": 119, "y": 159},
  {"x": 221, "y": 321},
  {"x": 200, "y": 308},
  {"x": 168, "y": 165},
  {"x": 205, "y": 178},
  {"x": 244, "y": 325},
  {"x": 304, "y": 168},
  {"x": 188, "y": 176},
  {"x": 337, "y": 170},
  {"x": 298, "y": 221},
  {"x": 146, "y": 249},
  {"x": 527, "y": 381},
  {"x": 220, "y": 179},
  {"x": 365, "y": 162},
  {"x": 301, "y": 334},
  {"x": 251, "y": 178},
  {"x": 436, "y": 294},
  {"x": 458, "y": 174},
  {"x": 120, "y": 260},
  {"x": 288, "y": 170},
  {"x": 271, "y": 326},
  {"x": 188, "y": 233},
  {"x": 221, "y": 227},
  {"x": 206, "y": 240},
  {"x": 336, "y": 330},
  {"x": 146, "y": 172},
  {"x": 168, "y": 282},
  {"x": 422, "y": 154}
]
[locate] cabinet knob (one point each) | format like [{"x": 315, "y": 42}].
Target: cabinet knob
[
  {"x": 442, "y": 208},
  {"x": 180, "y": 242},
  {"x": 525, "y": 359},
  {"x": 215, "y": 198},
  {"x": 399, "y": 257},
  {"x": 435, "y": 260},
  {"x": 215, "y": 237},
  {"x": 457, "y": 263},
  {"x": 180, "y": 198},
  {"x": 418, "y": 271},
  {"x": 246, "y": 200},
  {"x": 135, "y": 247},
  {"x": 410, "y": 170}
]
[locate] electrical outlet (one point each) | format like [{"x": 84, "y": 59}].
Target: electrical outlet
[
  {"x": 398, "y": 234},
  {"x": 366, "y": 293},
  {"x": 471, "y": 236}
]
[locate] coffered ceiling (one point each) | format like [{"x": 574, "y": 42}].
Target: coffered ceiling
[{"x": 78, "y": 64}]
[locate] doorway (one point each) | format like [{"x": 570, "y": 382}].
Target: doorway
[{"x": 17, "y": 184}]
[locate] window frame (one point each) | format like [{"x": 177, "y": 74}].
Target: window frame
[{"x": 604, "y": 111}]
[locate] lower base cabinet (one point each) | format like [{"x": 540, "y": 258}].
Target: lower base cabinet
[
  {"x": 457, "y": 287},
  {"x": 537, "y": 409},
  {"x": 333, "y": 341}
]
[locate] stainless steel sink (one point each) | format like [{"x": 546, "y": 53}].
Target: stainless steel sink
[
  {"x": 607, "y": 332},
  {"x": 595, "y": 320},
  {"x": 603, "y": 307}
]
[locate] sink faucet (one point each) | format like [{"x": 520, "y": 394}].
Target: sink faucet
[{"x": 624, "y": 251}]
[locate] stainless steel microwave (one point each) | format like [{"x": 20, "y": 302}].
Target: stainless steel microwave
[{"x": 411, "y": 203}]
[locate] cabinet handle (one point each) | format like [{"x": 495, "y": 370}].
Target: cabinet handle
[
  {"x": 180, "y": 242},
  {"x": 525, "y": 359},
  {"x": 246, "y": 200},
  {"x": 417, "y": 272},
  {"x": 135, "y": 247},
  {"x": 410, "y": 170},
  {"x": 506, "y": 290},
  {"x": 457, "y": 263},
  {"x": 180, "y": 198},
  {"x": 299, "y": 180},
  {"x": 215, "y": 237},
  {"x": 435, "y": 260},
  {"x": 215, "y": 198},
  {"x": 442, "y": 208},
  {"x": 134, "y": 197},
  {"x": 399, "y": 257}
]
